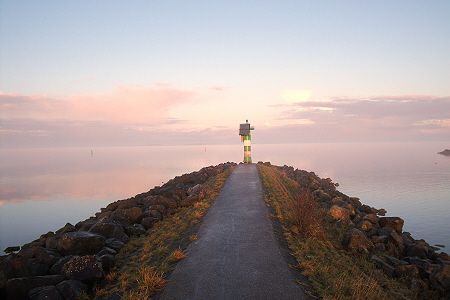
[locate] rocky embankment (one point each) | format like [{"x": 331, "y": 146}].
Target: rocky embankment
[
  {"x": 446, "y": 152},
  {"x": 69, "y": 262},
  {"x": 382, "y": 238}
]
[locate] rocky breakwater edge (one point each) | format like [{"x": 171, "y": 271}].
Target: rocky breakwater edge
[
  {"x": 68, "y": 263},
  {"x": 369, "y": 232}
]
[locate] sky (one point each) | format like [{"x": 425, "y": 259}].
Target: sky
[{"x": 100, "y": 73}]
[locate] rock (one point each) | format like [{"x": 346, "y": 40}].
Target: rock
[
  {"x": 337, "y": 201},
  {"x": 71, "y": 289},
  {"x": 128, "y": 215},
  {"x": 86, "y": 224},
  {"x": 147, "y": 222},
  {"x": 419, "y": 249},
  {"x": 12, "y": 249},
  {"x": 83, "y": 268},
  {"x": 445, "y": 152},
  {"x": 366, "y": 225},
  {"x": 355, "y": 239},
  {"x": 51, "y": 242},
  {"x": 444, "y": 256},
  {"x": 114, "y": 244},
  {"x": 194, "y": 190},
  {"x": 110, "y": 230},
  {"x": 107, "y": 261},
  {"x": 57, "y": 267},
  {"x": 395, "y": 223},
  {"x": 379, "y": 238},
  {"x": 339, "y": 213},
  {"x": 372, "y": 218},
  {"x": 409, "y": 271},
  {"x": 381, "y": 212},
  {"x": 45, "y": 293},
  {"x": 135, "y": 230},
  {"x": 440, "y": 279},
  {"x": 387, "y": 268},
  {"x": 80, "y": 242},
  {"x": 107, "y": 250},
  {"x": 67, "y": 228},
  {"x": 367, "y": 209},
  {"x": 321, "y": 196},
  {"x": 18, "y": 288}
]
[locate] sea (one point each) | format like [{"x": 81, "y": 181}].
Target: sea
[{"x": 42, "y": 189}]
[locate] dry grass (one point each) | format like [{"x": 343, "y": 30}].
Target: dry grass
[
  {"x": 177, "y": 255},
  {"x": 155, "y": 255},
  {"x": 111, "y": 276},
  {"x": 314, "y": 242},
  {"x": 193, "y": 237}
]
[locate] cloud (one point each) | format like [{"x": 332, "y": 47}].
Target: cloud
[
  {"x": 125, "y": 104},
  {"x": 381, "y": 118}
]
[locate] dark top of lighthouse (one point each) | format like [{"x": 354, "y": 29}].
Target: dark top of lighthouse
[{"x": 244, "y": 129}]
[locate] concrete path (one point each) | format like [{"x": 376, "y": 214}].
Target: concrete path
[{"x": 237, "y": 255}]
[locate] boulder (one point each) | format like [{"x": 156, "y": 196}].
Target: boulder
[
  {"x": 80, "y": 242},
  {"x": 408, "y": 271},
  {"x": 440, "y": 279},
  {"x": 372, "y": 218},
  {"x": 355, "y": 239},
  {"x": 366, "y": 225},
  {"x": 337, "y": 201},
  {"x": 44, "y": 293},
  {"x": 135, "y": 230},
  {"x": 57, "y": 267},
  {"x": 83, "y": 268},
  {"x": 71, "y": 289},
  {"x": 18, "y": 288},
  {"x": 114, "y": 244},
  {"x": 128, "y": 215},
  {"x": 67, "y": 228},
  {"x": 147, "y": 222},
  {"x": 12, "y": 249},
  {"x": 107, "y": 250},
  {"x": 387, "y": 268},
  {"x": 321, "y": 196},
  {"x": 339, "y": 213},
  {"x": 419, "y": 249},
  {"x": 107, "y": 261},
  {"x": 110, "y": 230},
  {"x": 395, "y": 223}
]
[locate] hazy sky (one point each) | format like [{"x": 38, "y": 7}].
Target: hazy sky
[{"x": 175, "y": 72}]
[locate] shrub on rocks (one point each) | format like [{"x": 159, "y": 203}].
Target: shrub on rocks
[{"x": 83, "y": 268}]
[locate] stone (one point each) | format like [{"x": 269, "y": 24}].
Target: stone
[
  {"x": 83, "y": 268},
  {"x": 339, "y": 213},
  {"x": 395, "y": 223},
  {"x": 45, "y": 293},
  {"x": 379, "y": 238},
  {"x": 381, "y": 264},
  {"x": 80, "y": 242},
  {"x": 409, "y": 271},
  {"x": 148, "y": 222},
  {"x": 135, "y": 230},
  {"x": 12, "y": 249},
  {"x": 107, "y": 261},
  {"x": 57, "y": 267},
  {"x": 419, "y": 249},
  {"x": 366, "y": 225},
  {"x": 337, "y": 201},
  {"x": 71, "y": 289},
  {"x": 110, "y": 230},
  {"x": 107, "y": 250},
  {"x": 18, "y": 288},
  {"x": 114, "y": 244},
  {"x": 321, "y": 196},
  {"x": 440, "y": 279},
  {"x": 381, "y": 212},
  {"x": 67, "y": 228},
  {"x": 128, "y": 216},
  {"x": 355, "y": 239},
  {"x": 372, "y": 218}
]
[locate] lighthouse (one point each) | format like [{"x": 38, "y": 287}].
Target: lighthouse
[{"x": 244, "y": 132}]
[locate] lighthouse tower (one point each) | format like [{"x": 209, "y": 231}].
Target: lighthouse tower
[{"x": 244, "y": 132}]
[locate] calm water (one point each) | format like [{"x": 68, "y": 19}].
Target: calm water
[{"x": 42, "y": 189}]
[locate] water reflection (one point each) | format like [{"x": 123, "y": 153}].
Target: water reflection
[{"x": 42, "y": 189}]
